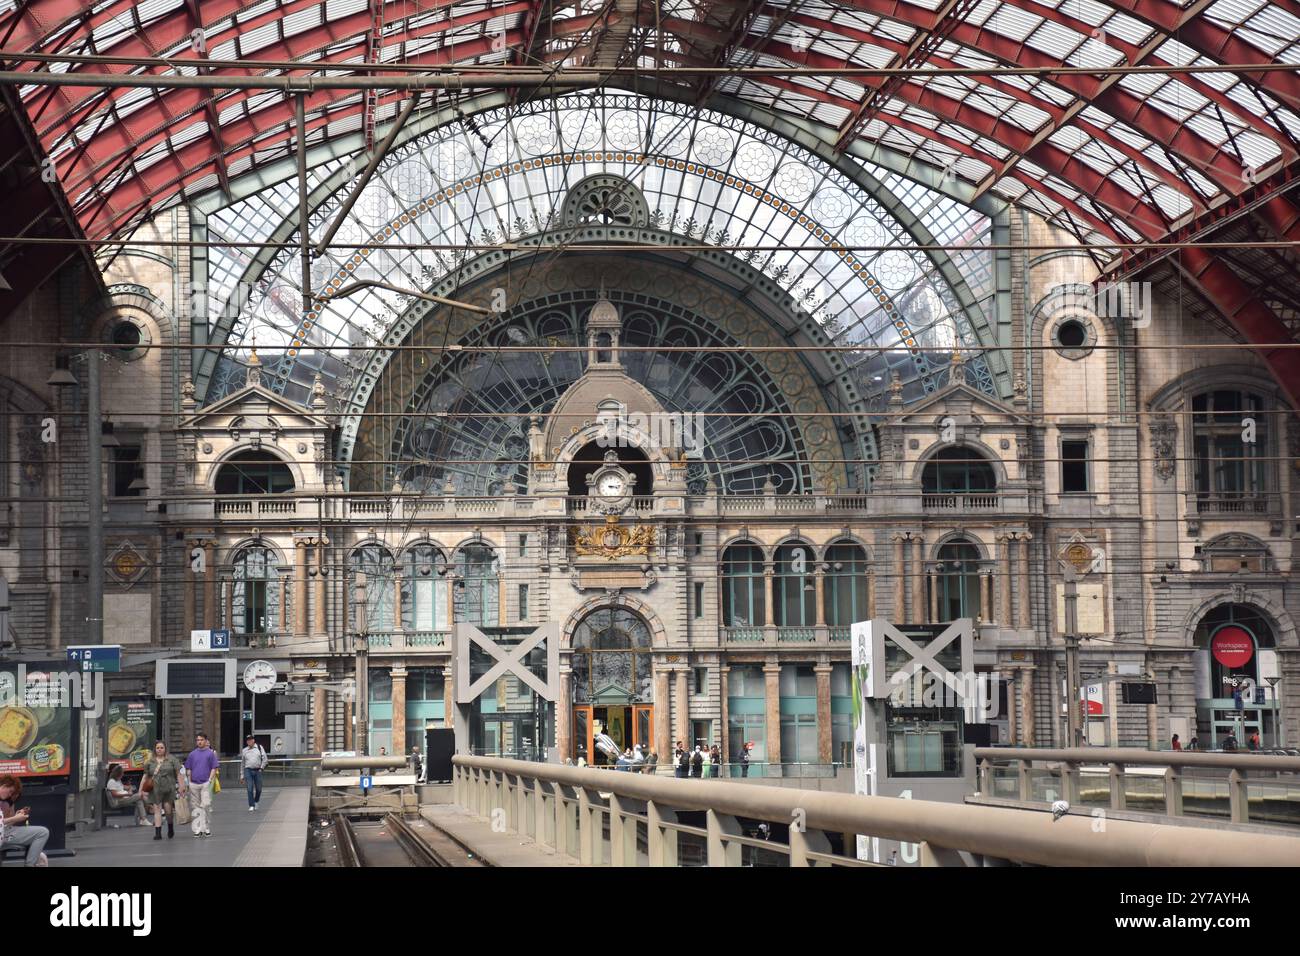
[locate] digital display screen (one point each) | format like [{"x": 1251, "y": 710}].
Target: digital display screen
[{"x": 196, "y": 677}]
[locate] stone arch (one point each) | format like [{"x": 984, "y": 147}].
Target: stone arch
[
  {"x": 275, "y": 451},
  {"x": 658, "y": 634},
  {"x": 974, "y": 444},
  {"x": 1284, "y": 629}
]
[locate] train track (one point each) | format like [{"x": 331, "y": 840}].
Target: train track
[{"x": 394, "y": 842}]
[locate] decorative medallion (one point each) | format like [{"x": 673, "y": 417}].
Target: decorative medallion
[
  {"x": 612, "y": 540},
  {"x": 126, "y": 565}
]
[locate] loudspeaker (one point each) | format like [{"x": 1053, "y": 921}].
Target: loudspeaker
[{"x": 439, "y": 745}]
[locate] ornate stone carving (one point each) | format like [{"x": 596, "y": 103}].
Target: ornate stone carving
[
  {"x": 1164, "y": 435},
  {"x": 611, "y": 540}
]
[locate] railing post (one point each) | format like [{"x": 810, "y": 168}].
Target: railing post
[
  {"x": 566, "y": 839},
  {"x": 1173, "y": 792},
  {"x": 661, "y": 843},
  {"x": 1070, "y": 782},
  {"x": 986, "y": 777},
  {"x": 1118, "y": 796},
  {"x": 722, "y": 852},
  {"x": 931, "y": 855},
  {"x": 540, "y": 816},
  {"x": 1022, "y": 780},
  {"x": 1237, "y": 798},
  {"x": 622, "y": 832},
  {"x": 522, "y": 816},
  {"x": 589, "y": 835},
  {"x": 803, "y": 841}
]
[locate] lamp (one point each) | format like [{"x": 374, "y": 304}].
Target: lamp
[
  {"x": 137, "y": 483},
  {"x": 62, "y": 374},
  {"x": 107, "y": 438}
]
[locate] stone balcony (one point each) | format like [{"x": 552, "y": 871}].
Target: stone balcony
[{"x": 820, "y": 635}]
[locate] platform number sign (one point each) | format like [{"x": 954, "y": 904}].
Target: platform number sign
[{"x": 367, "y": 782}]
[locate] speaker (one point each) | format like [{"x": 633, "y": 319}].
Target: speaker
[{"x": 439, "y": 745}]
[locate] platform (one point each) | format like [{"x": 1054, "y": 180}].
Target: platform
[
  {"x": 497, "y": 849},
  {"x": 276, "y": 835}
]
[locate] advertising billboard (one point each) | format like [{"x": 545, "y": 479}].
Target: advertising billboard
[
  {"x": 38, "y": 716},
  {"x": 132, "y": 730}
]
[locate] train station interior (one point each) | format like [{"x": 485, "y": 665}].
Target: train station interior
[{"x": 454, "y": 403}]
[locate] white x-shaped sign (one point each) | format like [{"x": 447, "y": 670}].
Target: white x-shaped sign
[
  {"x": 511, "y": 660},
  {"x": 922, "y": 656}
]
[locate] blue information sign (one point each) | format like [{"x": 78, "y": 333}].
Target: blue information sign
[
  {"x": 221, "y": 640},
  {"x": 105, "y": 658},
  {"x": 366, "y": 782}
]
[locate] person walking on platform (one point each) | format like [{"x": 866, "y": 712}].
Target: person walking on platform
[
  {"x": 253, "y": 761},
  {"x": 162, "y": 780},
  {"x": 200, "y": 767},
  {"x": 417, "y": 765}
]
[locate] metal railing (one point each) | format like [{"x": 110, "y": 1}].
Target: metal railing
[
  {"x": 602, "y": 817},
  {"x": 1242, "y": 787}
]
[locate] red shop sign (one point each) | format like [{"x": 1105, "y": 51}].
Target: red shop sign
[{"x": 1232, "y": 646}]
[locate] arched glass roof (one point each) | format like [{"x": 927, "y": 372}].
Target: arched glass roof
[
  {"x": 1102, "y": 156},
  {"x": 708, "y": 177}
]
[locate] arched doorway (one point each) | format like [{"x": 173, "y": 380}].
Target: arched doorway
[
  {"x": 613, "y": 686},
  {"x": 1235, "y": 658}
]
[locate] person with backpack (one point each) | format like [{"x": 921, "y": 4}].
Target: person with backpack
[
  {"x": 697, "y": 762},
  {"x": 253, "y": 761}
]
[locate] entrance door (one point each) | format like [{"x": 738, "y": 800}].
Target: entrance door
[
  {"x": 582, "y": 732},
  {"x": 643, "y": 722}
]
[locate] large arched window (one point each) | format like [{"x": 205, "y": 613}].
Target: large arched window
[
  {"x": 424, "y": 589},
  {"x": 255, "y": 596},
  {"x": 1229, "y": 445},
  {"x": 957, "y": 579},
  {"x": 959, "y": 470},
  {"x": 611, "y": 649},
  {"x": 743, "y": 604},
  {"x": 253, "y": 473},
  {"x": 794, "y": 597},
  {"x": 477, "y": 597},
  {"x": 845, "y": 584},
  {"x": 376, "y": 563}
]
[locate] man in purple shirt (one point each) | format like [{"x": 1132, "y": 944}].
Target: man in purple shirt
[{"x": 200, "y": 765}]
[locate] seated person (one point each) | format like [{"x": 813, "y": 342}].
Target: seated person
[{"x": 122, "y": 795}]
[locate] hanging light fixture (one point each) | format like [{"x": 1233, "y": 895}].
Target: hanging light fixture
[{"x": 62, "y": 374}]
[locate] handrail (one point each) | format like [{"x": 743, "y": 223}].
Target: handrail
[
  {"x": 1133, "y": 757},
  {"x": 1024, "y": 836}
]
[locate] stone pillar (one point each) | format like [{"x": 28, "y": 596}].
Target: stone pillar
[
  {"x": 320, "y": 623},
  {"x": 900, "y": 602},
  {"x": 663, "y": 715},
  {"x": 283, "y": 580},
  {"x": 724, "y": 733},
  {"x": 682, "y": 707},
  {"x": 772, "y": 675},
  {"x": 1013, "y": 699},
  {"x": 1027, "y": 735},
  {"x": 398, "y": 674},
  {"x": 564, "y": 714},
  {"x": 769, "y": 590},
  {"x": 397, "y": 599},
  {"x": 300, "y": 586},
  {"x": 228, "y": 619},
  {"x": 918, "y": 582},
  {"x": 871, "y": 594},
  {"x": 986, "y": 598},
  {"x": 1022, "y": 584},
  {"x": 819, "y": 583},
  {"x": 320, "y": 722},
  {"x": 209, "y": 584},
  {"x": 1004, "y": 581},
  {"x": 449, "y": 691},
  {"x": 824, "y": 752},
  {"x": 933, "y": 578}
]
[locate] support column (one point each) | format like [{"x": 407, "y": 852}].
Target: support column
[
  {"x": 824, "y": 753},
  {"x": 348, "y": 735},
  {"x": 772, "y": 676},
  {"x": 283, "y": 579},
  {"x": 1022, "y": 584},
  {"x": 900, "y": 602},
  {"x": 663, "y": 715},
  {"x": 1013, "y": 708},
  {"x": 398, "y": 674},
  {"x": 228, "y": 587},
  {"x": 682, "y": 707},
  {"x": 397, "y": 599},
  {"x": 819, "y": 583},
  {"x": 1004, "y": 580},
  {"x": 986, "y": 598},
  {"x": 564, "y": 715},
  {"x": 449, "y": 691},
  {"x": 871, "y": 594},
  {"x": 209, "y": 584},
  {"x": 319, "y": 722},
  {"x": 1027, "y": 735},
  {"x": 320, "y": 624},
  {"x": 300, "y": 586},
  {"x": 933, "y": 578},
  {"x": 724, "y": 733},
  {"x": 918, "y": 582},
  {"x": 769, "y": 590}
]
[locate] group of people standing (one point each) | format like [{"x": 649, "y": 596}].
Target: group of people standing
[{"x": 700, "y": 762}]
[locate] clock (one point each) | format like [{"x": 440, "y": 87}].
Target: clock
[
  {"x": 610, "y": 486},
  {"x": 259, "y": 676}
]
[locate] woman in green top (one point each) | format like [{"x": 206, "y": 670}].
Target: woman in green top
[{"x": 165, "y": 772}]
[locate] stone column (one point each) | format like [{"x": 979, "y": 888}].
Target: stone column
[
  {"x": 682, "y": 707},
  {"x": 819, "y": 583},
  {"x": 1027, "y": 735},
  {"x": 320, "y": 721},
  {"x": 724, "y": 732},
  {"x": 449, "y": 692},
  {"x": 900, "y": 602},
  {"x": 1013, "y": 699},
  {"x": 824, "y": 753},
  {"x": 564, "y": 714},
  {"x": 398, "y": 674},
  {"x": 772, "y": 675},
  {"x": 320, "y": 624},
  {"x": 397, "y": 599},
  {"x": 300, "y": 586},
  {"x": 283, "y": 580},
  {"x": 769, "y": 589},
  {"x": 871, "y": 594},
  {"x": 1004, "y": 580},
  {"x": 1022, "y": 584},
  {"x": 663, "y": 715},
  {"x": 918, "y": 581},
  {"x": 933, "y": 578},
  {"x": 228, "y": 585},
  {"x": 209, "y": 584},
  {"x": 986, "y": 598}
]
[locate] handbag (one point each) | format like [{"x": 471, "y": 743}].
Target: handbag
[
  {"x": 216, "y": 782},
  {"x": 147, "y": 786},
  {"x": 183, "y": 814}
]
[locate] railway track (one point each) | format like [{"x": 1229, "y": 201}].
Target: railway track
[{"x": 392, "y": 841}]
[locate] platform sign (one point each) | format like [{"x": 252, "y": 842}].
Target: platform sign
[
  {"x": 367, "y": 782},
  {"x": 214, "y": 640},
  {"x": 100, "y": 658}
]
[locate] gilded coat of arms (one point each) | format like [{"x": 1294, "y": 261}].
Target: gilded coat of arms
[{"x": 611, "y": 540}]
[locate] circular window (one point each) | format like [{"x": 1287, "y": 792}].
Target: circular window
[
  {"x": 1073, "y": 337},
  {"x": 126, "y": 335},
  {"x": 128, "y": 338}
]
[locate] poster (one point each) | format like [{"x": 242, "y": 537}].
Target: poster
[
  {"x": 132, "y": 730},
  {"x": 37, "y": 720}
]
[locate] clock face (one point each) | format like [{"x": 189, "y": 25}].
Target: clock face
[
  {"x": 611, "y": 485},
  {"x": 259, "y": 676}
]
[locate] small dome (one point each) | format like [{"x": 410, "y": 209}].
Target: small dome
[{"x": 603, "y": 315}]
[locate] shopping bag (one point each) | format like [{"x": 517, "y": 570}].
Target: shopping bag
[
  {"x": 182, "y": 810},
  {"x": 216, "y": 782}
]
